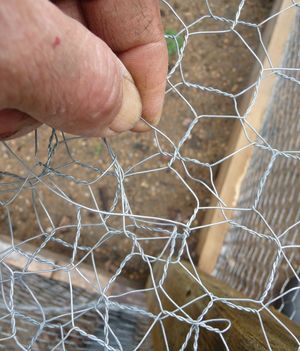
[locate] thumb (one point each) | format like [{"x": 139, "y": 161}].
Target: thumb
[{"x": 57, "y": 72}]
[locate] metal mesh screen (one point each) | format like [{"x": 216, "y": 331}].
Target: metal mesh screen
[
  {"x": 42, "y": 308},
  {"x": 107, "y": 210},
  {"x": 263, "y": 265}
]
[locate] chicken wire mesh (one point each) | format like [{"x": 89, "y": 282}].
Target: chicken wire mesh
[
  {"x": 270, "y": 191},
  {"x": 101, "y": 207}
]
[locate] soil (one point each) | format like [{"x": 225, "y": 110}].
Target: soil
[{"x": 221, "y": 61}]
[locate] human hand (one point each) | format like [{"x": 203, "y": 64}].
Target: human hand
[{"x": 55, "y": 69}]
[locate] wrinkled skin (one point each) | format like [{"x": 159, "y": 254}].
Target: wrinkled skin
[{"x": 63, "y": 62}]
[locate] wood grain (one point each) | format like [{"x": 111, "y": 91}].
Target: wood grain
[{"x": 245, "y": 333}]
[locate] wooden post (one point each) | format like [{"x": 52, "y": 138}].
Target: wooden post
[
  {"x": 233, "y": 170},
  {"x": 246, "y": 331}
]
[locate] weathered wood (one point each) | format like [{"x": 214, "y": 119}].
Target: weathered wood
[
  {"x": 83, "y": 277},
  {"x": 233, "y": 170},
  {"x": 246, "y": 332}
]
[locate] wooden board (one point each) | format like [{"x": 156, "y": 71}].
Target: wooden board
[
  {"x": 233, "y": 170},
  {"x": 82, "y": 276},
  {"x": 246, "y": 332}
]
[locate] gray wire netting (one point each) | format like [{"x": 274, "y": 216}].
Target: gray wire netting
[
  {"x": 35, "y": 296},
  {"x": 83, "y": 221},
  {"x": 262, "y": 265}
]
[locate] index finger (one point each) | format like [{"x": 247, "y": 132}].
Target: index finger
[{"x": 133, "y": 30}]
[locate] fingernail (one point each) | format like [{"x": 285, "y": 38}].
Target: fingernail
[
  {"x": 108, "y": 133},
  {"x": 131, "y": 107},
  {"x": 153, "y": 120},
  {"x": 141, "y": 127}
]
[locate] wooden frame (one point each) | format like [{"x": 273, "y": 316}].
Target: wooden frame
[
  {"x": 183, "y": 296},
  {"x": 233, "y": 170},
  {"x": 83, "y": 277},
  {"x": 46, "y": 270}
]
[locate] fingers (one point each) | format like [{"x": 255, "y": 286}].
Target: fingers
[
  {"x": 14, "y": 124},
  {"x": 57, "y": 72},
  {"x": 132, "y": 28},
  {"x": 148, "y": 66}
]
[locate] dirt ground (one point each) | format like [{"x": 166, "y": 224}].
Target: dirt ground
[{"x": 218, "y": 60}]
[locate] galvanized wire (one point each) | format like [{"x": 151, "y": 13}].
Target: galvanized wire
[{"x": 260, "y": 256}]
